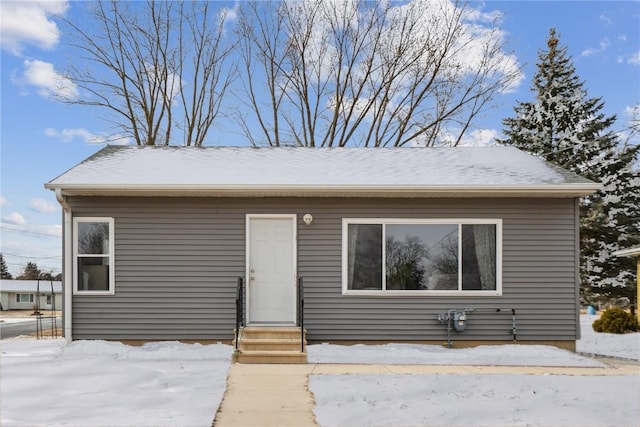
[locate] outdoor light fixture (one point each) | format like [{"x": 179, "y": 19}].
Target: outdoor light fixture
[{"x": 307, "y": 218}]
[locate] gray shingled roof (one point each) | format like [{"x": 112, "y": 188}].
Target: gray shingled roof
[{"x": 116, "y": 170}]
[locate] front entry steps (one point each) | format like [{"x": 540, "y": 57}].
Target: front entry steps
[{"x": 271, "y": 345}]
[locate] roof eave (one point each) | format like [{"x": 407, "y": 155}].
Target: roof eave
[
  {"x": 630, "y": 252},
  {"x": 544, "y": 190}
]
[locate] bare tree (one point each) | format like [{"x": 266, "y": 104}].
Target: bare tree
[
  {"x": 153, "y": 66},
  {"x": 321, "y": 73}
]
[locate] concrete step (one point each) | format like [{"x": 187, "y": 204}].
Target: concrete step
[
  {"x": 271, "y": 344},
  {"x": 256, "y": 356},
  {"x": 256, "y": 332}
]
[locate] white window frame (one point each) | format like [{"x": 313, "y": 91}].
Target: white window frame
[
  {"x": 423, "y": 293},
  {"x": 111, "y": 256},
  {"x": 19, "y": 295}
]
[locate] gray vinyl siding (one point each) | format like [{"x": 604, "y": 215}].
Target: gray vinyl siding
[{"x": 178, "y": 259}]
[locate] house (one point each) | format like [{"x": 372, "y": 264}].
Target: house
[
  {"x": 28, "y": 294},
  {"x": 633, "y": 252},
  {"x": 392, "y": 244}
]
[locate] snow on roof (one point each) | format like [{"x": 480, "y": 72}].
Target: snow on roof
[
  {"x": 30, "y": 286},
  {"x": 116, "y": 169}
]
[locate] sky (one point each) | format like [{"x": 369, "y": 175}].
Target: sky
[{"x": 41, "y": 138}]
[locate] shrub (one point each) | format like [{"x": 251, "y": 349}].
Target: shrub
[{"x": 616, "y": 321}]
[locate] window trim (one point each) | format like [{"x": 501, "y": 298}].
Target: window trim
[
  {"x": 412, "y": 221},
  {"x": 110, "y": 221},
  {"x": 20, "y": 294}
]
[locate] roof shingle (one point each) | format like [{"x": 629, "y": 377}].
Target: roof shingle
[{"x": 133, "y": 168}]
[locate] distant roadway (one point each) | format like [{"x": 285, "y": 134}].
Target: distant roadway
[{"x": 26, "y": 327}]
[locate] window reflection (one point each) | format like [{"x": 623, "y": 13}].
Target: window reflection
[
  {"x": 93, "y": 238},
  {"x": 422, "y": 256}
]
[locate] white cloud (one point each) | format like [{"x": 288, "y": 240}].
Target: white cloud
[
  {"x": 479, "y": 34},
  {"x": 230, "y": 14},
  {"x": 493, "y": 17},
  {"x": 633, "y": 59},
  {"x": 622, "y": 37},
  {"x": 29, "y": 23},
  {"x": 42, "y": 206},
  {"x": 32, "y": 230},
  {"x": 632, "y": 110},
  {"x": 18, "y": 249},
  {"x": 631, "y": 116},
  {"x": 479, "y": 138},
  {"x": 602, "y": 46},
  {"x": 52, "y": 230},
  {"x": 68, "y": 135},
  {"x": 604, "y": 18},
  {"x": 14, "y": 218},
  {"x": 477, "y": 45},
  {"x": 3, "y": 201},
  {"x": 510, "y": 65},
  {"x": 50, "y": 84},
  {"x": 476, "y": 138}
]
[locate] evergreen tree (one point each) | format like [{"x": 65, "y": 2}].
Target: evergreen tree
[
  {"x": 31, "y": 272},
  {"x": 562, "y": 125},
  {"x": 566, "y": 127},
  {"x": 4, "y": 271},
  {"x": 611, "y": 221}
]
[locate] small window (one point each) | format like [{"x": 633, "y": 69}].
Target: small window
[
  {"x": 49, "y": 299},
  {"x": 427, "y": 257},
  {"x": 24, "y": 298},
  {"x": 93, "y": 256}
]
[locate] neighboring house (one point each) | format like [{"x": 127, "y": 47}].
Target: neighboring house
[
  {"x": 633, "y": 252},
  {"x": 386, "y": 240},
  {"x": 23, "y": 294}
]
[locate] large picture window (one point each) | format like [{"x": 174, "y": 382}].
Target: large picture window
[
  {"x": 394, "y": 256},
  {"x": 93, "y": 249}
]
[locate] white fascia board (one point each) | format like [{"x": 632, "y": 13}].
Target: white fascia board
[
  {"x": 635, "y": 251},
  {"x": 550, "y": 190}
]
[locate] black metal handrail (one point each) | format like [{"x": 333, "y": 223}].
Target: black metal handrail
[
  {"x": 239, "y": 308},
  {"x": 301, "y": 311}
]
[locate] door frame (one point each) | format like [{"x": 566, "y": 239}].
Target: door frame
[{"x": 294, "y": 261}]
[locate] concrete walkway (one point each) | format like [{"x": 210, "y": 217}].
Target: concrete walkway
[
  {"x": 278, "y": 395},
  {"x": 267, "y": 396}
]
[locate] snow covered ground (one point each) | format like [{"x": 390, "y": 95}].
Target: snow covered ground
[
  {"x": 416, "y": 354},
  {"x": 97, "y": 383},
  {"x": 625, "y": 346},
  {"x": 466, "y": 400},
  {"x": 475, "y": 400}
]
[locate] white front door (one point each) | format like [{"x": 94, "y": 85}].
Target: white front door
[{"x": 271, "y": 269}]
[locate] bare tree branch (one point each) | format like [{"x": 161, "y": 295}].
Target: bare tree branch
[
  {"x": 368, "y": 73},
  {"x": 140, "y": 58}
]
